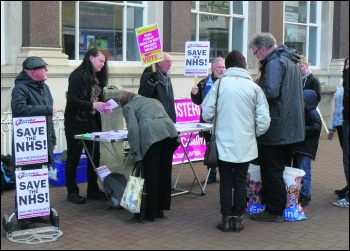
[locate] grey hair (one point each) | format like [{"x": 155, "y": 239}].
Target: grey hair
[
  {"x": 264, "y": 39},
  {"x": 215, "y": 60}
]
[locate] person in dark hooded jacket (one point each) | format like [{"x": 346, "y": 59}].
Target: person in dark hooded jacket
[
  {"x": 306, "y": 150},
  {"x": 281, "y": 82},
  {"x": 32, "y": 97}
]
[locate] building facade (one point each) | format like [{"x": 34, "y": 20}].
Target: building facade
[{"x": 61, "y": 32}]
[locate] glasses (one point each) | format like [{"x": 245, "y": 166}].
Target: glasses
[{"x": 256, "y": 52}]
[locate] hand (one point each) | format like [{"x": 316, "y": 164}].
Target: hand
[
  {"x": 194, "y": 90},
  {"x": 100, "y": 106},
  {"x": 154, "y": 77},
  {"x": 330, "y": 135},
  {"x": 53, "y": 147},
  {"x": 107, "y": 111},
  {"x": 54, "y": 111}
]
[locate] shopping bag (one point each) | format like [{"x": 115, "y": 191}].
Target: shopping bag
[
  {"x": 132, "y": 196},
  {"x": 211, "y": 153}
]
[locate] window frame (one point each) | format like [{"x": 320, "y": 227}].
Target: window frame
[
  {"x": 308, "y": 25},
  {"x": 125, "y": 4},
  {"x": 231, "y": 15}
]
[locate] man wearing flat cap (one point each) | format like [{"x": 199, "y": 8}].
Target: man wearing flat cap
[{"x": 32, "y": 97}]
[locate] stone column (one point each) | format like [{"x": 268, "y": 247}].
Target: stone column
[{"x": 41, "y": 32}]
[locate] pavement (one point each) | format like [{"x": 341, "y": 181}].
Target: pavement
[{"x": 191, "y": 222}]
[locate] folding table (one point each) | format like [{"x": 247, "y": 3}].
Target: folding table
[
  {"x": 190, "y": 128},
  {"x": 106, "y": 138}
]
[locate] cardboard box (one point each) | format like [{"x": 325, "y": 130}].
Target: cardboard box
[{"x": 57, "y": 175}]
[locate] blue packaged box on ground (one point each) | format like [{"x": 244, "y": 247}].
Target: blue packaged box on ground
[{"x": 57, "y": 175}]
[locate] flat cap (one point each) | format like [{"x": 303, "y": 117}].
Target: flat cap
[{"x": 33, "y": 63}]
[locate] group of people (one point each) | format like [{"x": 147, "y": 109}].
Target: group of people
[{"x": 269, "y": 123}]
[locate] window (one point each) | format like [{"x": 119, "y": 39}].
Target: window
[
  {"x": 302, "y": 28},
  {"x": 109, "y": 25},
  {"x": 223, "y": 23},
  {"x": 3, "y": 33}
]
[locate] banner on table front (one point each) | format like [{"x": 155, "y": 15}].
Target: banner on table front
[{"x": 187, "y": 111}]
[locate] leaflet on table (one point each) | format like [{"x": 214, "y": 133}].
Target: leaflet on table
[
  {"x": 180, "y": 126},
  {"x": 119, "y": 134},
  {"x": 111, "y": 104},
  {"x": 103, "y": 171}
]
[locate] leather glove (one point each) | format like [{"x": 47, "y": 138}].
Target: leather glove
[{"x": 154, "y": 78}]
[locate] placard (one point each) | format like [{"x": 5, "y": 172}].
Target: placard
[
  {"x": 150, "y": 47},
  {"x": 30, "y": 140}
]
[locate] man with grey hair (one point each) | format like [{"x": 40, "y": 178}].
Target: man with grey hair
[
  {"x": 198, "y": 94},
  {"x": 282, "y": 85}
]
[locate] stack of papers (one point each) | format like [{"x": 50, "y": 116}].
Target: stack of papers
[
  {"x": 110, "y": 135},
  {"x": 111, "y": 104}
]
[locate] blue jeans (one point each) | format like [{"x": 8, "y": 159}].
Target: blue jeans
[
  {"x": 233, "y": 175},
  {"x": 346, "y": 154},
  {"x": 304, "y": 163}
]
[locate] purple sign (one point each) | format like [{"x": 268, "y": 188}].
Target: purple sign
[{"x": 187, "y": 111}]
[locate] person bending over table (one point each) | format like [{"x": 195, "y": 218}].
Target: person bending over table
[{"x": 153, "y": 139}]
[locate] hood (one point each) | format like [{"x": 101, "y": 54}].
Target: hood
[
  {"x": 283, "y": 50},
  {"x": 308, "y": 73},
  {"x": 23, "y": 77},
  {"x": 310, "y": 99},
  {"x": 238, "y": 72}
]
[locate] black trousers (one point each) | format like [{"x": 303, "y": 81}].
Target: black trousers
[
  {"x": 272, "y": 164},
  {"x": 74, "y": 148},
  {"x": 233, "y": 175},
  {"x": 157, "y": 164}
]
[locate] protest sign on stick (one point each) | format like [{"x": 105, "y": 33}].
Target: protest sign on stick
[
  {"x": 196, "y": 58},
  {"x": 149, "y": 43}
]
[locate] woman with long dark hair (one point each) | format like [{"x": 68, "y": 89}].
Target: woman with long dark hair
[{"x": 84, "y": 99}]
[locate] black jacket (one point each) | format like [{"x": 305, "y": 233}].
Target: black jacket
[
  {"x": 346, "y": 95},
  {"x": 33, "y": 98},
  {"x": 310, "y": 82},
  {"x": 77, "y": 116},
  {"x": 313, "y": 126},
  {"x": 158, "y": 91},
  {"x": 281, "y": 82}
]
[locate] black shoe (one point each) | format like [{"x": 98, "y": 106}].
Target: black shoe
[
  {"x": 76, "y": 198},
  {"x": 342, "y": 191},
  {"x": 25, "y": 224},
  {"x": 160, "y": 214},
  {"x": 265, "y": 216},
  {"x": 42, "y": 219},
  {"x": 237, "y": 223},
  {"x": 342, "y": 195},
  {"x": 225, "y": 224},
  {"x": 304, "y": 200},
  {"x": 140, "y": 217},
  {"x": 99, "y": 195},
  {"x": 211, "y": 179}
]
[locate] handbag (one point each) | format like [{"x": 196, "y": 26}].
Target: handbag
[
  {"x": 211, "y": 157},
  {"x": 133, "y": 194}
]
